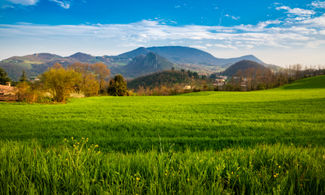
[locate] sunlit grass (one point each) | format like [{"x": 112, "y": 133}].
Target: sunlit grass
[
  {"x": 261, "y": 142},
  {"x": 78, "y": 167},
  {"x": 206, "y": 120}
]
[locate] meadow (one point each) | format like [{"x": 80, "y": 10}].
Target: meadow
[{"x": 268, "y": 141}]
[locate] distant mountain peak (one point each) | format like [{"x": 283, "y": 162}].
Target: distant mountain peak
[
  {"x": 134, "y": 53},
  {"x": 144, "y": 64},
  {"x": 83, "y": 57},
  {"x": 79, "y": 54}
]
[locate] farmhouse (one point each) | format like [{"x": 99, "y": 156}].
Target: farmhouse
[
  {"x": 8, "y": 93},
  {"x": 220, "y": 81}
]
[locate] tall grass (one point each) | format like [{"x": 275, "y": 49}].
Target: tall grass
[
  {"x": 263, "y": 142},
  {"x": 201, "y": 121},
  {"x": 80, "y": 168}
]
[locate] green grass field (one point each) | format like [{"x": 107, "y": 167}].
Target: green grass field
[{"x": 269, "y": 141}]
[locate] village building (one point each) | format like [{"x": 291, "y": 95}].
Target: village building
[
  {"x": 8, "y": 92},
  {"x": 220, "y": 81}
]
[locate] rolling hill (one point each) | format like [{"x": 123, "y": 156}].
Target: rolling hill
[
  {"x": 260, "y": 142},
  {"x": 166, "y": 78},
  {"x": 242, "y": 66}
]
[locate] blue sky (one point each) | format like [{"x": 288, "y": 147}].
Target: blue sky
[{"x": 278, "y": 32}]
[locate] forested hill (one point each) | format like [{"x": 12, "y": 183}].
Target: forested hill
[
  {"x": 242, "y": 66},
  {"x": 165, "y": 78}
]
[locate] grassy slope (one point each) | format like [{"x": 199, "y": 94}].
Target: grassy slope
[
  {"x": 207, "y": 120},
  {"x": 197, "y": 120}
]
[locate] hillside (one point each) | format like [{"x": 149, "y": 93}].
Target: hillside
[
  {"x": 185, "y": 55},
  {"x": 144, "y": 64},
  {"x": 242, "y": 66},
  {"x": 134, "y": 53},
  {"x": 83, "y": 57},
  {"x": 317, "y": 82},
  {"x": 165, "y": 78},
  {"x": 258, "y": 142},
  {"x": 188, "y": 55},
  {"x": 181, "y": 57},
  {"x": 203, "y": 120}
]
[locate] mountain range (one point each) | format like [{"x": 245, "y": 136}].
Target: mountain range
[
  {"x": 188, "y": 55},
  {"x": 138, "y": 62}
]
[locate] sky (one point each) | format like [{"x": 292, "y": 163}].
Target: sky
[{"x": 282, "y": 32}]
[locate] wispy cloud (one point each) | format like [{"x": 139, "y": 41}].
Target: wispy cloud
[
  {"x": 62, "y": 3},
  {"x": 296, "y": 11},
  {"x": 266, "y": 34},
  {"x": 318, "y": 4},
  {"x": 232, "y": 17},
  {"x": 298, "y": 31},
  {"x": 24, "y": 2}
]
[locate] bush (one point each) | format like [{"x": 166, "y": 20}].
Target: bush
[
  {"x": 118, "y": 86},
  {"x": 26, "y": 93},
  {"x": 60, "y": 82}
]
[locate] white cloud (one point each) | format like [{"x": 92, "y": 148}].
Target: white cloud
[
  {"x": 296, "y": 11},
  {"x": 232, "y": 17},
  {"x": 316, "y": 22},
  {"x": 63, "y": 4},
  {"x": 151, "y": 32},
  {"x": 24, "y": 2},
  {"x": 274, "y": 35},
  {"x": 318, "y": 4}
]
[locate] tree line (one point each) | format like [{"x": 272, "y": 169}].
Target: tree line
[
  {"x": 58, "y": 83},
  {"x": 260, "y": 79}
]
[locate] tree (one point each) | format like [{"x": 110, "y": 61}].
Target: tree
[
  {"x": 117, "y": 86},
  {"x": 102, "y": 72},
  {"x": 60, "y": 82},
  {"x": 23, "y": 77},
  {"x": 88, "y": 85},
  {"x": 4, "y": 77}
]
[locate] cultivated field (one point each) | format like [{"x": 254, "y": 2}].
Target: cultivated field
[{"x": 269, "y": 141}]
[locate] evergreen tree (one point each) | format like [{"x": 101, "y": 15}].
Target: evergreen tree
[
  {"x": 4, "y": 77},
  {"x": 117, "y": 86},
  {"x": 23, "y": 77}
]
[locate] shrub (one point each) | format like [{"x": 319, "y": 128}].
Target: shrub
[
  {"x": 60, "y": 82},
  {"x": 117, "y": 86}
]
